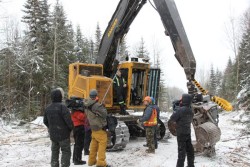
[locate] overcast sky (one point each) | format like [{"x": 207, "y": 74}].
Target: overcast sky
[{"x": 203, "y": 20}]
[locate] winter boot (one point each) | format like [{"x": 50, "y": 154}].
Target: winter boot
[
  {"x": 123, "y": 110},
  {"x": 104, "y": 166},
  {"x": 79, "y": 162},
  {"x": 86, "y": 152},
  {"x": 150, "y": 151}
]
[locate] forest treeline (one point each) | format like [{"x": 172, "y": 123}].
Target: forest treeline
[{"x": 35, "y": 61}]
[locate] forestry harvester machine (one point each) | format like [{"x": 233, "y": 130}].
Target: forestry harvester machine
[{"x": 141, "y": 79}]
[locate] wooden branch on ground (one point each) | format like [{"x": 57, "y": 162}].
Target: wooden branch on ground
[
  {"x": 235, "y": 138},
  {"x": 240, "y": 155}
]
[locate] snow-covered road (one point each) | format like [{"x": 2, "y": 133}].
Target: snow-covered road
[{"x": 29, "y": 146}]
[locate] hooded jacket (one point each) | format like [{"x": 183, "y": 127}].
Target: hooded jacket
[
  {"x": 57, "y": 118},
  {"x": 96, "y": 114},
  {"x": 183, "y": 115}
]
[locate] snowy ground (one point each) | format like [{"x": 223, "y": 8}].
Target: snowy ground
[{"x": 29, "y": 146}]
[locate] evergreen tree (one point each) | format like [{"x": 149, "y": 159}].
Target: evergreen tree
[
  {"x": 142, "y": 52},
  {"x": 218, "y": 77},
  {"x": 37, "y": 18},
  {"x": 244, "y": 66},
  {"x": 63, "y": 46},
  {"x": 229, "y": 81},
  {"x": 45, "y": 25},
  {"x": 13, "y": 76},
  {"x": 163, "y": 97},
  {"x": 123, "y": 50},
  {"x": 91, "y": 49},
  {"x": 8, "y": 79},
  {"x": 86, "y": 49},
  {"x": 47, "y": 51},
  {"x": 82, "y": 46},
  {"x": 244, "y": 58},
  {"x": 98, "y": 38},
  {"x": 212, "y": 81},
  {"x": 70, "y": 51},
  {"x": 32, "y": 17},
  {"x": 37, "y": 50},
  {"x": 79, "y": 45}
]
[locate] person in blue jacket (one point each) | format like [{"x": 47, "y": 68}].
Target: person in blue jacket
[{"x": 149, "y": 120}]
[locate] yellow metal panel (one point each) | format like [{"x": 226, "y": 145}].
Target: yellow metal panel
[
  {"x": 105, "y": 87},
  {"x": 79, "y": 87}
]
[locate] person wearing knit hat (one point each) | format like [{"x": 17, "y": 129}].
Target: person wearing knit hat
[{"x": 97, "y": 114}]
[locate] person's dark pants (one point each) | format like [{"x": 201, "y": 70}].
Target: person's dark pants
[
  {"x": 66, "y": 153},
  {"x": 78, "y": 133},
  {"x": 121, "y": 101},
  {"x": 87, "y": 141},
  {"x": 150, "y": 130},
  {"x": 155, "y": 138},
  {"x": 185, "y": 147},
  {"x": 122, "y": 108}
]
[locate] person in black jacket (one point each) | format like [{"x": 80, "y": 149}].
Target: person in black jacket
[
  {"x": 183, "y": 118},
  {"x": 120, "y": 90},
  {"x": 58, "y": 120}
]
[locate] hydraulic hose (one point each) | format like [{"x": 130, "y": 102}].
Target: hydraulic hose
[
  {"x": 220, "y": 101},
  {"x": 203, "y": 91}
]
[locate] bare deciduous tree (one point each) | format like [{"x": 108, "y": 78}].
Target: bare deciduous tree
[
  {"x": 202, "y": 76},
  {"x": 156, "y": 52},
  {"x": 233, "y": 35}
]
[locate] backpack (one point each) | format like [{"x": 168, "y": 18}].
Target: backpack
[
  {"x": 111, "y": 120},
  {"x": 111, "y": 123},
  {"x": 96, "y": 120}
]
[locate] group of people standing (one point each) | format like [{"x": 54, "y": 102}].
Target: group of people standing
[
  {"x": 91, "y": 125},
  {"x": 182, "y": 116},
  {"x": 89, "y": 131}
]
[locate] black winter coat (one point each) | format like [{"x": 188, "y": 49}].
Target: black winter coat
[
  {"x": 57, "y": 118},
  {"x": 183, "y": 115},
  {"x": 119, "y": 89}
]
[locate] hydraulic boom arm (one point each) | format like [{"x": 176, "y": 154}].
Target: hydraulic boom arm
[
  {"x": 118, "y": 26},
  {"x": 124, "y": 15},
  {"x": 174, "y": 28}
]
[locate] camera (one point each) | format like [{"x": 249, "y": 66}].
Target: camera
[
  {"x": 75, "y": 103},
  {"x": 176, "y": 105}
]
